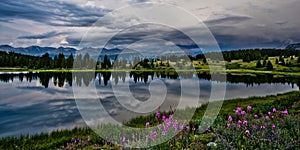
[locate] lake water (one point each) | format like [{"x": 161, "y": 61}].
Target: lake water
[{"x": 40, "y": 102}]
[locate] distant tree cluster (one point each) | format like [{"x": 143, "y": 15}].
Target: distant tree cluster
[
  {"x": 33, "y": 62},
  {"x": 248, "y": 55}
]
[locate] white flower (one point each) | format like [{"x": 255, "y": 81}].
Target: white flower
[{"x": 212, "y": 144}]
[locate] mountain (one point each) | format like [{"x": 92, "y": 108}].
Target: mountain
[
  {"x": 38, "y": 51},
  {"x": 295, "y": 46},
  {"x": 52, "y": 51}
]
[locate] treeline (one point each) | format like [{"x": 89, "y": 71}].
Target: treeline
[
  {"x": 248, "y": 55},
  {"x": 60, "y": 61},
  {"x": 33, "y": 62}
]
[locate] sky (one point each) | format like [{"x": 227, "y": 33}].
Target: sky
[{"x": 164, "y": 24}]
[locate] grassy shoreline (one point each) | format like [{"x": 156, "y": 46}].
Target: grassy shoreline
[{"x": 57, "y": 139}]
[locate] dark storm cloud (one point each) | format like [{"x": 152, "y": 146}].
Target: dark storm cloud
[
  {"x": 44, "y": 35},
  {"x": 50, "y": 12},
  {"x": 229, "y": 19},
  {"x": 138, "y": 33}
]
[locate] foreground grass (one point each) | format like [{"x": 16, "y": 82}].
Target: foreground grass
[{"x": 218, "y": 134}]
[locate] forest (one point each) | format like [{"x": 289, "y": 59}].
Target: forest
[{"x": 60, "y": 61}]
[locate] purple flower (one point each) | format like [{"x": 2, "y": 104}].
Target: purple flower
[
  {"x": 239, "y": 109},
  {"x": 164, "y": 118},
  {"x": 152, "y": 135},
  {"x": 228, "y": 125},
  {"x": 285, "y": 112},
  {"x": 245, "y": 122},
  {"x": 123, "y": 139},
  {"x": 157, "y": 115},
  {"x": 247, "y": 132},
  {"x": 229, "y": 118},
  {"x": 181, "y": 127},
  {"x": 255, "y": 116},
  {"x": 239, "y": 122},
  {"x": 249, "y": 108},
  {"x": 237, "y": 112},
  {"x": 147, "y": 124},
  {"x": 274, "y": 110},
  {"x": 273, "y": 126},
  {"x": 193, "y": 128},
  {"x": 272, "y": 117},
  {"x": 243, "y": 113},
  {"x": 255, "y": 125},
  {"x": 267, "y": 117},
  {"x": 89, "y": 138},
  {"x": 68, "y": 145},
  {"x": 175, "y": 123},
  {"x": 262, "y": 127},
  {"x": 171, "y": 116},
  {"x": 163, "y": 132},
  {"x": 269, "y": 113}
]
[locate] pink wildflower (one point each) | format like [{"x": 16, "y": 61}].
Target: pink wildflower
[
  {"x": 247, "y": 132},
  {"x": 249, "y": 108},
  {"x": 147, "y": 124},
  {"x": 229, "y": 118},
  {"x": 273, "y": 126}
]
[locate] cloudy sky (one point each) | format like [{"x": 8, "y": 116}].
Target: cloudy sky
[{"x": 136, "y": 23}]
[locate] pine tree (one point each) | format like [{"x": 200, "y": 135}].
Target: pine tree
[
  {"x": 269, "y": 66},
  {"x": 258, "y": 64}
]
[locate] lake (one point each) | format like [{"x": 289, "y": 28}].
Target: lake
[{"x": 41, "y": 102}]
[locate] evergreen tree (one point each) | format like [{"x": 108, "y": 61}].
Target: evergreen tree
[
  {"x": 269, "y": 66},
  {"x": 258, "y": 64},
  {"x": 264, "y": 63}
]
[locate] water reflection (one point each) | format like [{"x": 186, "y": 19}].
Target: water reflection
[{"x": 84, "y": 79}]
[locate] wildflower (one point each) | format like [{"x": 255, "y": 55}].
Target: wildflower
[
  {"x": 96, "y": 145},
  {"x": 267, "y": 117},
  {"x": 89, "y": 138},
  {"x": 255, "y": 116},
  {"x": 147, "y": 124},
  {"x": 163, "y": 132},
  {"x": 272, "y": 117},
  {"x": 255, "y": 125},
  {"x": 157, "y": 115},
  {"x": 67, "y": 144},
  {"x": 239, "y": 109},
  {"x": 212, "y": 144},
  {"x": 175, "y": 123},
  {"x": 237, "y": 112},
  {"x": 228, "y": 125},
  {"x": 229, "y": 118},
  {"x": 152, "y": 135},
  {"x": 247, "y": 132},
  {"x": 245, "y": 122},
  {"x": 269, "y": 113},
  {"x": 285, "y": 112},
  {"x": 273, "y": 126},
  {"x": 193, "y": 128},
  {"x": 249, "y": 108},
  {"x": 274, "y": 110},
  {"x": 181, "y": 127},
  {"x": 262, "y": 127},
  {"x": 239, "y": 122},
  {"x": 171, "y": 116},
  {"x": 164, "y": 118},
  {"x": 243, "y": 113}
]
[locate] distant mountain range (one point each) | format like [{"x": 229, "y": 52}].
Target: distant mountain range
[
  {"x": 93, "y": 52},
  {"x": 52, "y": 51}
]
